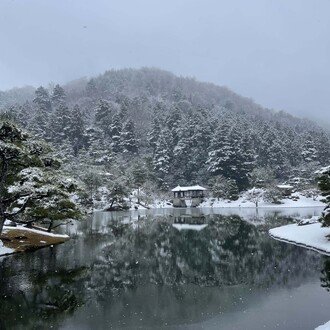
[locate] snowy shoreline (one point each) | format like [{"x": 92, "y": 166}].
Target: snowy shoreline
[
  {"x": 325, "y": 326},
  {"x": 311, "y": 236},
  {"x": 301, "y": 202},
  {"x": 20, "y": 238}
]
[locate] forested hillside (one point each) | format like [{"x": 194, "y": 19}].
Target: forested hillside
[{"x": 148, "y": 127}]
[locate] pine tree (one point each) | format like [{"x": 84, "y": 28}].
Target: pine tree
[
  {"x": 220, "y": 151},
  {"x": 182, "y": 153},
  {"x": 161, "y": 159},
  {"x": 76, "y": 130},
  {"x": 128, "y": 139},
  {"x": 42, "y": 100},
  {"x": 60, "y": 124},
  {"x": 103, "y": 115},
  {"x": 309, "y": 152},
  {"x": 172, "y": 122},
  {"x": 153, "y": 135},
  {"x": 91, "y": 89},
  {"x": 23, "y": 117},
  {"x": 324, "y": 185},
  {"x": 58, "y": 97},
  {"x": 32, "y": 188},
  {"x": 244, "y": 158},
  {"x": 99, "y": 150},
  {"x": 115, "y": 130},
  {"x": 222, "y": 187},
  {"x": 39, "y": 124}
]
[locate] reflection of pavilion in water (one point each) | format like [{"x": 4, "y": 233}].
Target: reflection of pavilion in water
[{"x": 189, "y": 222}]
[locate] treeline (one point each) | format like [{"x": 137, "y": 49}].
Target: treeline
[{"x": 169, "y": 130}]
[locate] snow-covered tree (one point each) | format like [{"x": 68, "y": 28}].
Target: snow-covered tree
[
  {"x": 39, "y": 124},
  {"x": 32, "y": 186},
  {"x": 254, "y": 195},
  {"x": 261, "y": 177},
  {"x": 222, "y": 187},
  {"x": 115, "y": 130},
  {"x": 92, "y": 180},
  {"x": 76, "y": 130},
  {"x": 153, "y": 134},
  {"x": 139, "y": 175},
  {"x": 42, "y": 99},
  {"x": 128, "y": 139},
  {"x": 59, "y": 125},
  {"x": 324, "y": 185},
  {"x": 58, "y": 97},
  {"x": 161, "y": 159},
  {"x": 103, "y": 115},
  {"x": 91, "y": 89}
]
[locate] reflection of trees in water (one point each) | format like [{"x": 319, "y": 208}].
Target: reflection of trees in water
[
  {"x": 228, "y": 251},
  {"x": 33, "y": 294},
  {"x": 148, "y": 260},
  {"x": 325, "y": 278}
]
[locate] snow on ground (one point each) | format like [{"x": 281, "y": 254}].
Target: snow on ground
[
  {"x": 297, "y": 200},
  {"x": 311, "y": 236},
  {"x": 325, "y": 326},
  {"x": 160, "y": 204},
  {"x": 4, "y": 250},
  {"x": 287, "y": 202}
]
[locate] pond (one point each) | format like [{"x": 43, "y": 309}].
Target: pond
[{"x": 169, "y": 269}]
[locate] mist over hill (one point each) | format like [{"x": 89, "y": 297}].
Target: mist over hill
[{"x": 178, "y": 130}]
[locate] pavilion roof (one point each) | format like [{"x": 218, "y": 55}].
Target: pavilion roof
[{"x": 189, "y": 188}]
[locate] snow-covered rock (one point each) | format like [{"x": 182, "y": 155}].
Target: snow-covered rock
[{"x": 314, "y": 219}]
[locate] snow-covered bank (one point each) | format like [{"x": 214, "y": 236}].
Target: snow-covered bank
[
  {"x": 20, "y": 239},
  {"x": 325, "y": 326},
  {"x": 132, "y": 202},
  {"x": 311, "y": 236},
  {"x": 33, "y": 230},
  {"x": 298, "y": 200}
]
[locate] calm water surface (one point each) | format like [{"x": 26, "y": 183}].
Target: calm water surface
[{"x": 169, "y": 269}]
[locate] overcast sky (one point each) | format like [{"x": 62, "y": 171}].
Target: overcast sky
[{"x": 274, "y": 51}]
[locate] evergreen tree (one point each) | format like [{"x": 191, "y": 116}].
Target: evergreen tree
[
  {"x": 58, "y": 97},
  {"x": 99, "y": 150},
  {"x": 91, "y": 89},
  {"x": 115, "y": 131},
  {"x": 153, "y": 135},
  {"x": 161, "y": 159},
  {"x": 324, "y": 185},
  {"x": 182, "y": 153},
  {"x": 39, "y": 124},
  {"x": 222, "y": 187},
  {"x": 60, "y": 124},
  {"x": 23, "y": 116},
  {"x": 32, "y": 188},
  {"x": 42, "y": 100},
  {"x": 103, "y": 115},
  {"x": 221, "y": 151},
  {"x": 76, "y": 130},
  {"x": 172, "y": 122},
  {"x": 309, "y": 152},
  {"x": 128, "y": 139}
]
